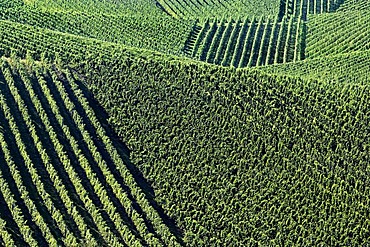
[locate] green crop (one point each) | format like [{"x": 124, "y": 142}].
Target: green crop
[{"x": 142, "y": 123}]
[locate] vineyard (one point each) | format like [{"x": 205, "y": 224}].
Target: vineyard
[
  {"x": 248, "y": 43},
  {"x": 303, "y": 8},
  {"x": 184, "y": 123},
  {"x": 257, "y": 146},
  {"x": 255, "y": 41},
  {"x": 338, "y": 33},
  {"x": 110, "y": 7},
  {"x": 342, "y": 68},
  {"x": 202, "y": 9},
  {"x": 351, "y": 5},
  {"x": 167, "y": 36},
  {"x": 80, "y": 174}
]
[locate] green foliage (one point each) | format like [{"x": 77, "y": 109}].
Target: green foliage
[
  {"x": 72, "y": 182},
  {"x": 204, "y": 9},
  {"x": 248, "y": 43},
  {"x": 350, "y": 5},
  {"x": 302, "y": 8},
  {"x": 335, "y": 33},
  {"x": 11, "y": 3},
  {"x": 238, "y": 157},
  {"x": 96, "y": 6},
  {"x": 157, "y": 32},
  {"x": 345, "y": 68}
]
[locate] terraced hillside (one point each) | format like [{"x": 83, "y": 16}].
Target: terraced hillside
[{"x": 65, "y": 178}]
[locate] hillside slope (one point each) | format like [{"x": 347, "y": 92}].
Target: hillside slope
[
  {"x": 336, "y": 33},
  {"x": 219, "y": 145},
  {"x": 350, "y": 67},
  {"x": 151, "y": 31},
  {"x": 247, "y": 43},
  {"x": 236, "y": 157},
  {"x": 202, "y": 9},
  {"x": 66, "y": 180},
  {"x": 239, "y": 158},
  {"x": 112, "y": 7}
]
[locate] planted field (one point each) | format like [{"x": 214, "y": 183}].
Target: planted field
[
  {"x": 67, "y": 181},
  {"x": 167, "y": 36},
  {"x": 96, "y": 6},
  {"x": 337, "y": 33},
  {"x": 302, "y": 8},
  {"x": 202, "y": 9},
  {"x": 350, "y": 5},
  {"x": 247, "y": 43},
  {"x": 256, "y": 41},
  {"x": 240, "y": 123},
  {"x": 349, "y": 67},
  {"x": 278, "y": 160},
  {"x": 20, "y": 39}
]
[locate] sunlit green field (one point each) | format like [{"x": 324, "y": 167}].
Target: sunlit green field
[{"x": 184, "y": 123}]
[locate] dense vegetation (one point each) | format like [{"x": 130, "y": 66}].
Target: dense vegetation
[
  {"x": 73, "y": 185},
  {"x": 302, "y": 8},
  {"x": 168, "y": 35},
  {"x": 112, "y": 7},
  {"x": 348, "y": 67},
  {"x": 285, "y": 155},
  {"x": 246, "y": 43},
  {"x": 350, "y": 5},
  {"x": 335, "y": 33},
  {"x": 103, "y": 143},
  {"x": 255, "y": 40},
  {"x": 202, "y": 9}
]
